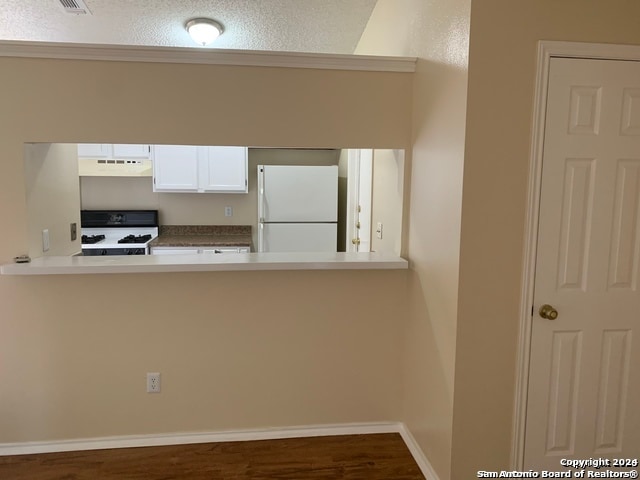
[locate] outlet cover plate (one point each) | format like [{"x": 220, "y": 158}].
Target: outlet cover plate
[{"x": 153, "y": 382}]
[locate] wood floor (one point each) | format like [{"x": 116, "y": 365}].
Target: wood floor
[{"x": 365, "y": 457}]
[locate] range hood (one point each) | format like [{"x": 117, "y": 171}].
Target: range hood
[{"x": 113, "y": 167}]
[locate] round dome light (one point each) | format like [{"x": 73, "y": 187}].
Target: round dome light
[{"x": 204, "y": 30}]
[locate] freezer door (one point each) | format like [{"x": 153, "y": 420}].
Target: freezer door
[
  {"x": 297, "y": 237},
  {"x": 298, "y": 193}
]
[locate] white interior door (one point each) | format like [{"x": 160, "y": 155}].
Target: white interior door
[{"x": 584, "y": 378}]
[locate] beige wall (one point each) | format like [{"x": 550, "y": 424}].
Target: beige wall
[
  {"x": 236, "y": 350},
  {"x": 437, "y": 33},
  {"x": 52, "y": 197},
  {"x": 504, "y": 36}
]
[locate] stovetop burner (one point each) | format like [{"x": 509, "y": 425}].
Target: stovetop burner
[
  {"x": 135, "y": 239},
  {"x": 90, "y": 239},
  {"x": 118, "y": 232}
]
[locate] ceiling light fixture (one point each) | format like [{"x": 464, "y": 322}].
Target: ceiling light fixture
[{"x": 204, "y": 30}]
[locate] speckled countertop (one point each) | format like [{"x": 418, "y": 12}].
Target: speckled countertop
[{"x": 203, "y": 236}]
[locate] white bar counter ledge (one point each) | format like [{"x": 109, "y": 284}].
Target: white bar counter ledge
[{"x": 62, "y": 265}]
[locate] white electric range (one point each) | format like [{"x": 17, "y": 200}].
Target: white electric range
[{"x": 117, "y": 232}]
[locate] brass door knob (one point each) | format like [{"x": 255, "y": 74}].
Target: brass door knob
[{"x": 548, "y": 312}]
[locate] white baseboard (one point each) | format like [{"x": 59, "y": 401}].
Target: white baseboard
[
  {"x": 417, "y": 453},
  {"x": 130, "y": 441}
]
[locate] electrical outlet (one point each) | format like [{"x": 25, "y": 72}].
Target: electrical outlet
[
  {"x": 153, "y": 382},
  {"x": 228, "y": 211}
]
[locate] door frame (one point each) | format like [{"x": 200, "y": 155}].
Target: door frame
[
  {"x": 546, "y": 51},
  {"x": 354, "y": 197}
]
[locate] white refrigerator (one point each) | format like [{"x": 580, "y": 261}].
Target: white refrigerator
[{"x": 297, "y": 208}]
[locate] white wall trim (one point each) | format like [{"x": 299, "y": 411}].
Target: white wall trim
[
  {"x": 417, "y": 453},
  {"x": 130, "y": 441},
  {"x": 131, "y": 53},
  {"x": 546, "y": 51},
  {"x": 530, "y": 246},
  {"x": 185, "y": 438}
]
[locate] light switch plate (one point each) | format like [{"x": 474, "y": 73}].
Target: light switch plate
[
  {"x": 379, "y": 230},
  {"x": 45, "y": 240}
]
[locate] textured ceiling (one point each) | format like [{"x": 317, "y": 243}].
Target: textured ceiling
[{"x": 321, "y": 26}]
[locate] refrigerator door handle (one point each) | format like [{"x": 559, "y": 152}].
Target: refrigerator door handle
[
  {"x": 261, "y": 208},
  {"x": 261, "y": 205}
]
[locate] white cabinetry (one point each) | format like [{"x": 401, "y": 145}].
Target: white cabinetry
[
  {"x": 174, "y": 251},
  {"x": 94, "y": 150},
  {"x": 224, "y": 170},
  {"x": 197, "y": 250},
  {"x": 118, "y": 160},
  {"x": 175, "y": 168},
  {"x": 179, "y": 168},
  {"x": 225, "y": 250},
  {"x": 119, "y": 150}
]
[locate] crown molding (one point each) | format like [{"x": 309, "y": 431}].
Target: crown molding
[{"x": 252, "y": 58}]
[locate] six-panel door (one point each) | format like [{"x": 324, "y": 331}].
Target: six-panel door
[{"x": 584, "y": 381}]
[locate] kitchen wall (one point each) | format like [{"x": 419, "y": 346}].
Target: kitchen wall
[
  {"x": 236, "y": 350},
  {"x": 502, "y": 68},
  {"x": 437, "y": 33},
  {"x": 387, "y": 199},
  {"x": 387, "y": 196},
  {"x": 52, "y": 195},
  {"x": 197, "y": 209}
]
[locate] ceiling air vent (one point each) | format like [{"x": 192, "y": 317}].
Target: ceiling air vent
[{"x": 75, "y": 7}]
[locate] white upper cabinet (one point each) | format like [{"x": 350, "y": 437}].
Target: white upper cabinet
[
  {"x": 179, "y": 168},
  {"x": 175, "y": 168},
  {"x": 121, "y": 150},
  {"x": 94, "y": 150},
  {"x": 224, "y": 170},
  {"x": 107, "y": 150}
]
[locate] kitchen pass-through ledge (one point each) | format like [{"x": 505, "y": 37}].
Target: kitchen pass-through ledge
[{"x": 205, "y": 263}]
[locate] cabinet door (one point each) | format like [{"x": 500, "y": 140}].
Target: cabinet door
[
  {"x": 174, "y": 251},
  {"x": 94, "y": 150},
  {"x": 224, "y": 170},
  {"x": 121, "y": 150},
  {"x": 220, "y": 250},
  {"x": 175, "y": 168}
]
